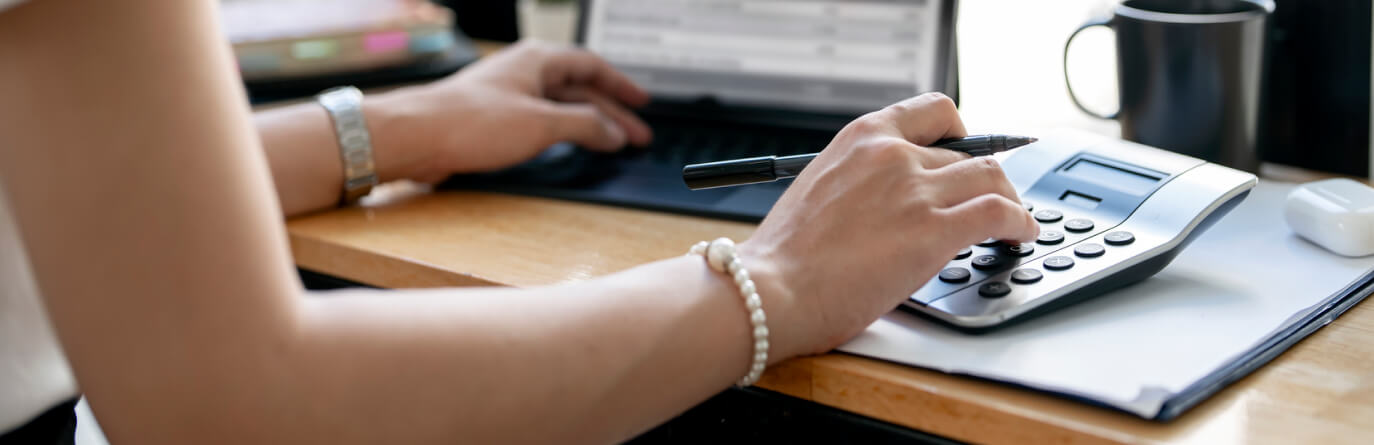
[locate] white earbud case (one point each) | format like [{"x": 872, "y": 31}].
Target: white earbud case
[{"x": 1337, "y": 214}]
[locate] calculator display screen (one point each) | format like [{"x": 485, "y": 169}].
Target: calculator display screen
[{"x": 1135, "y": 183}]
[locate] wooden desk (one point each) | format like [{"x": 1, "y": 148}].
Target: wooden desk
[{"x": 1321, "y": 391}]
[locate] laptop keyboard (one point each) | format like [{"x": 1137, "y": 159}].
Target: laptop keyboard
[
  {"x": 651, "y": 177},
  {"x": 679, "y": 145}
]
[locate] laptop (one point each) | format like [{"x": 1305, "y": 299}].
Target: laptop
[{"x": 738, "y": 78}]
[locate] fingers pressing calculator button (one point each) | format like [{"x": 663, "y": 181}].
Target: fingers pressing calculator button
[
  {"x": 995, "y": 289},
  {"x": 1089, "y": 250},
  {"x": 1049, "y": 216},
  {"x": 965, "y": 253},
  {"x": 1078, "y": 225},
  {"x": 1119, "y": 238},
  {"x": 955, "y": 275},
  {"x": 1050, "y": 237},
  {"x": 1026, "y": 276},
  {"x": 1017, "y": 249},
  {"x": 1058, "y": 263},
  {"x": 985, "y": 262},
  {"x": 990, "y": 242}
]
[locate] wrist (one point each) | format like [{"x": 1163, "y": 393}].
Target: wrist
[
  {"x": 778, "y": 300},
  {"x": 400, "y": 148}
]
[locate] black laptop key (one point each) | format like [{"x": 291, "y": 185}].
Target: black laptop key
[
  {"x": 660, "y": 154},
  {"x": 703, "y": 149},
  {"x": 561, "y": 165},
  {"x": 768, "y": 143},
  {"x": 739, "y": 145}
]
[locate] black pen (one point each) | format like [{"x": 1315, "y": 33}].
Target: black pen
[{"x": 772, "y": 168}]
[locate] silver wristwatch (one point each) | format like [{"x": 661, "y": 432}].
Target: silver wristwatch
[{"x": 345, "y": 107}]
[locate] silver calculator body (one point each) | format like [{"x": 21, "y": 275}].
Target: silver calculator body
[{"x": 1111, "y": 213}]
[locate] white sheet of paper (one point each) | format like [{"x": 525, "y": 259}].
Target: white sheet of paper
[{"x": 1245, "y": 278}]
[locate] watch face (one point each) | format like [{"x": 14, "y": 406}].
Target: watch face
[{"x": 341, "y": 97}]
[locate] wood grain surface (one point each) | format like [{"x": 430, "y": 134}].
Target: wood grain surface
[{"x": 1321, "y": 391}]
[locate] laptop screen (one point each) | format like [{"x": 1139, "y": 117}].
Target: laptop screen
[{"x": 836, "y": 56}]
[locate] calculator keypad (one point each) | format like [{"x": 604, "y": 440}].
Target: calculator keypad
[{"x": 994, "y": 269}]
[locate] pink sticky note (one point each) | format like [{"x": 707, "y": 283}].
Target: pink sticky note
[{"x": 382, "y": 42}]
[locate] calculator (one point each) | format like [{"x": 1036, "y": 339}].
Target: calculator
[{"x": 1111, "y": 213}]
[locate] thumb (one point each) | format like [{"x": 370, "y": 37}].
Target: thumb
[{"x": 584, "y": 125}]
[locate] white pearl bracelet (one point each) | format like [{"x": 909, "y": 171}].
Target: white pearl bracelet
[{"x": 720, "y": 255}]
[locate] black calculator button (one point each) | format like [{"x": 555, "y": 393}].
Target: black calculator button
[
  {"x": 1017, "y": 249},
  {"x": 990, "y": 242},
  {"x": 995, "y": 289},
  {"x": 985, "y": 262},
  {"x": 1089, "y": 250},
  {"x": 1026, "y": 276},
  {"x": 1050, "y": 237},
  {"x": 964, "y": 253},
  {"x": 1049, "y": 216},
  {"x": 1119, "y": 238},
  {"x": 1028, "y": 205},
  {"x": 1078, "y": 225},
  {"x": 1058, "y": 263},
  {"x": 955, "y": 275}
]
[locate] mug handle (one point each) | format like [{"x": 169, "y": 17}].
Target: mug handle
[{"x": 1098, "y": 22}]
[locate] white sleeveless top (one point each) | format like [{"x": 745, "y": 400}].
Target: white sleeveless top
[{"x": 34, "y": 375}]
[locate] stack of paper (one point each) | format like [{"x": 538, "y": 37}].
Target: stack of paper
[{"x": 1243, "y": 291}]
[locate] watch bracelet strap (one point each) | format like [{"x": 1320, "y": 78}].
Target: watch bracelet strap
[{"x": 344, "y": 106}]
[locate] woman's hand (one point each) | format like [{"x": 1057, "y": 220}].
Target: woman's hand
[
  {"x": 507, "y": 108},
  {"x": 871, "y": 220}
]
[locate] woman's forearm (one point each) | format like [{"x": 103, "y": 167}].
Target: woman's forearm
[
  {"x": 167, "y": 276},
  {"x": 594, "y": 362},
  {"x": 303, "y": 155},
  {"x": 589, "y": 363},
  {"x": 303, "y": 151}
]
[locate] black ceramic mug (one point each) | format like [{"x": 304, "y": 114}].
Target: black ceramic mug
[{"x": 1189, "y": 74}]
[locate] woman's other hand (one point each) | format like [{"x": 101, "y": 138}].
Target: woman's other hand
[
  {"x": 872, "y": 219},
  {"x": 505, "y": 109}
]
